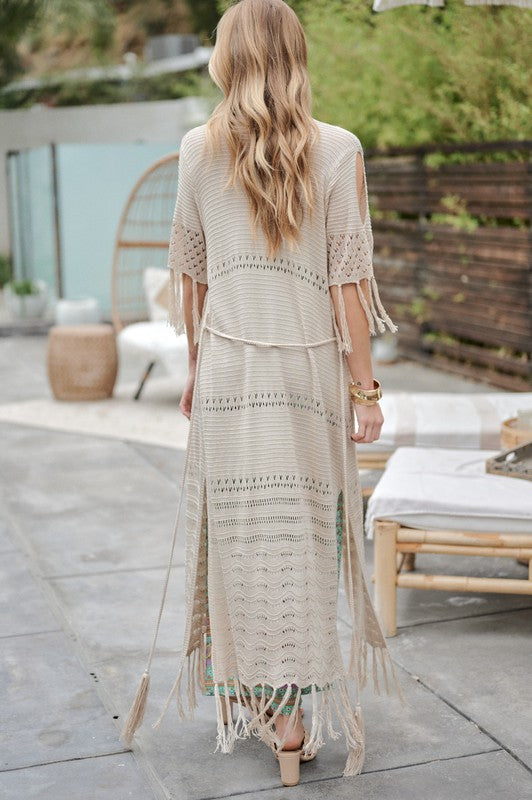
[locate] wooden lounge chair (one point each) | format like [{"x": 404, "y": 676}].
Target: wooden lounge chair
[{"x": 441, "y": 500}]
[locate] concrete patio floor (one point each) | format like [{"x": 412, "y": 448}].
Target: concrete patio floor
[{"x": 85, "y": 529}]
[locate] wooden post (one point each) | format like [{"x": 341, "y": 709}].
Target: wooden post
[
  {"x": 385, "y": 533},
  {"x": 58, "y": 246}
]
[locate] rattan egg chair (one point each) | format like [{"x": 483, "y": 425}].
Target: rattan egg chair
[{"x": 142, "y": 242}]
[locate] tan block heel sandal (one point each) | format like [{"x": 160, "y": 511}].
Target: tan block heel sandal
[{"x": 289, "y": 760}]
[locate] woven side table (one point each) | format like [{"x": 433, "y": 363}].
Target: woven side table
[{"x": 82, "y": 361}]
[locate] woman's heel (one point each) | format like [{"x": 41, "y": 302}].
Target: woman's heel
[{"x": 289, "y": 761}]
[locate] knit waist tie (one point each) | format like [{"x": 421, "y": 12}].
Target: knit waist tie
[{"x": 269, "y": 344}]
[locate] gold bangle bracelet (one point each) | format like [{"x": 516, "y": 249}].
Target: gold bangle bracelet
[
  {"x": 365, "y": 396},
  {"x": 360, "y": 402}
]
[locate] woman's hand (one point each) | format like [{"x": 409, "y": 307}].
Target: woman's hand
[
  {"x": 370, "y": 421},
  {"x": 186, "y": 398}
]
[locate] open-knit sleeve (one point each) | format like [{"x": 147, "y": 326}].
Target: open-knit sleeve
[
  {"x": 187, "y": 250},
  {"x": 350, "y": 241}
]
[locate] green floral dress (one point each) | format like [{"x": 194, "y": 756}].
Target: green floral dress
[{"x": 209, "y": 682}]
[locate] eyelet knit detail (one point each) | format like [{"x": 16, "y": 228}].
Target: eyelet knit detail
[
  {"x": 187, "y": 252},
  {"x": 350, "y": 256},
  {"x": 270, "y": 400},
  {"x": 254, "y": 261},
  {"x": 278, "y": 480}
]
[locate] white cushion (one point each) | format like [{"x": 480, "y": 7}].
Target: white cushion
[
  {"x": 158, "y": 341},
  {"x": 427, "y": 487},
  {"x": 440, "y": 419},
  {"x": 155, "y": 281}
]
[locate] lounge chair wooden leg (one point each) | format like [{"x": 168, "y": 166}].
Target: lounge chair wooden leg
[
  {"x": 385, "y": 535},
  {"x": 143, "y": 380},
  {"x": 410, "y": 562}
]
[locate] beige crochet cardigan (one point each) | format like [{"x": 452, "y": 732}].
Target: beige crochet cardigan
[{"x": 269, "y": 449}]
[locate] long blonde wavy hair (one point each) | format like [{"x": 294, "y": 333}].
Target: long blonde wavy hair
[{"x": 259, "y": 61}]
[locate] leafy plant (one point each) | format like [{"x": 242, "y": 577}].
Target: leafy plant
[
  {"x": 205, "y": 15},
  {"x": 457, "y": 214},
  {"x": 420, "y": 75},
  {"x": 23, "y": 287},
  {"x": 16, "y": 16},
  {"x": 5, "y": 269}
]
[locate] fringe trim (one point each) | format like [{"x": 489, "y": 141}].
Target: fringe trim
[
  {"x": 195, "y": 311},
  {"x": 375, "y": 313},
  {"x": 137, "y": 710},
  {"x": 176, "y": 312},
  {"x": 333, "y": 696},
  {"x": 345, "y": 338},
  {"x": 176, "y": 317},
  {"x": 263, "y": 727}
]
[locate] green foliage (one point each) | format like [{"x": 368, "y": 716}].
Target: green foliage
[
  {"x": 71, "y": 18},
  {"x": 139, "y": 88},
  {"x": 24, "y": 287},
  {"x": 457, "y": 214},
  {"x": 205, "y": 15},
  {"x": 418, "y": 75},
  {"x": 5, "y": 269},
  {"x": 20, "y": 18},
  {"x": 16, "y": 17}
]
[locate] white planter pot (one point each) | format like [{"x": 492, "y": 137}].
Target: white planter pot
[
  {"x": 84, "y": 310},
  {"x": 28, "y": 306}
]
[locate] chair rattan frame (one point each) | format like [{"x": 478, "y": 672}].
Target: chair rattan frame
[{"x": 142, "y": 238}]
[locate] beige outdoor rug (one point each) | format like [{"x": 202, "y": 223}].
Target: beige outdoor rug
[{"x": 154, "y": 419}]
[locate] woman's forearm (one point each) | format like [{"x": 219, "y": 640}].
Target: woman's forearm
[
  {"x": 359, "y": 360},
  {"x": 187, "y": 312}
]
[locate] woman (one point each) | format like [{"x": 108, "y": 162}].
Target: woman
[{"x": 272, "y": 242}]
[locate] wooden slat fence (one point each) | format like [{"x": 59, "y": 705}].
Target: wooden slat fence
[{"x": 459, "y": 288}]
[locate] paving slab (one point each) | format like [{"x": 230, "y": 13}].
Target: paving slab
[
  {"x": 480, "y": 665},
  {"x": 167, "y": 460},
  {"x": 88, "y": 505},
  {"x": 113, "y": 777},
  {"x": 54, "y": 474},
  {"x": 115, "y": 613},
  {"x": 23, "y": 368},
  {"x": 107, "y": 537},
  {"x": 182, "y": 752},
  {"x": 7, "y": 542},
  {"x": 491, "y": 776},
  {"x": 50, "y": 708},
  {"x": 24, "y": 608}
]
